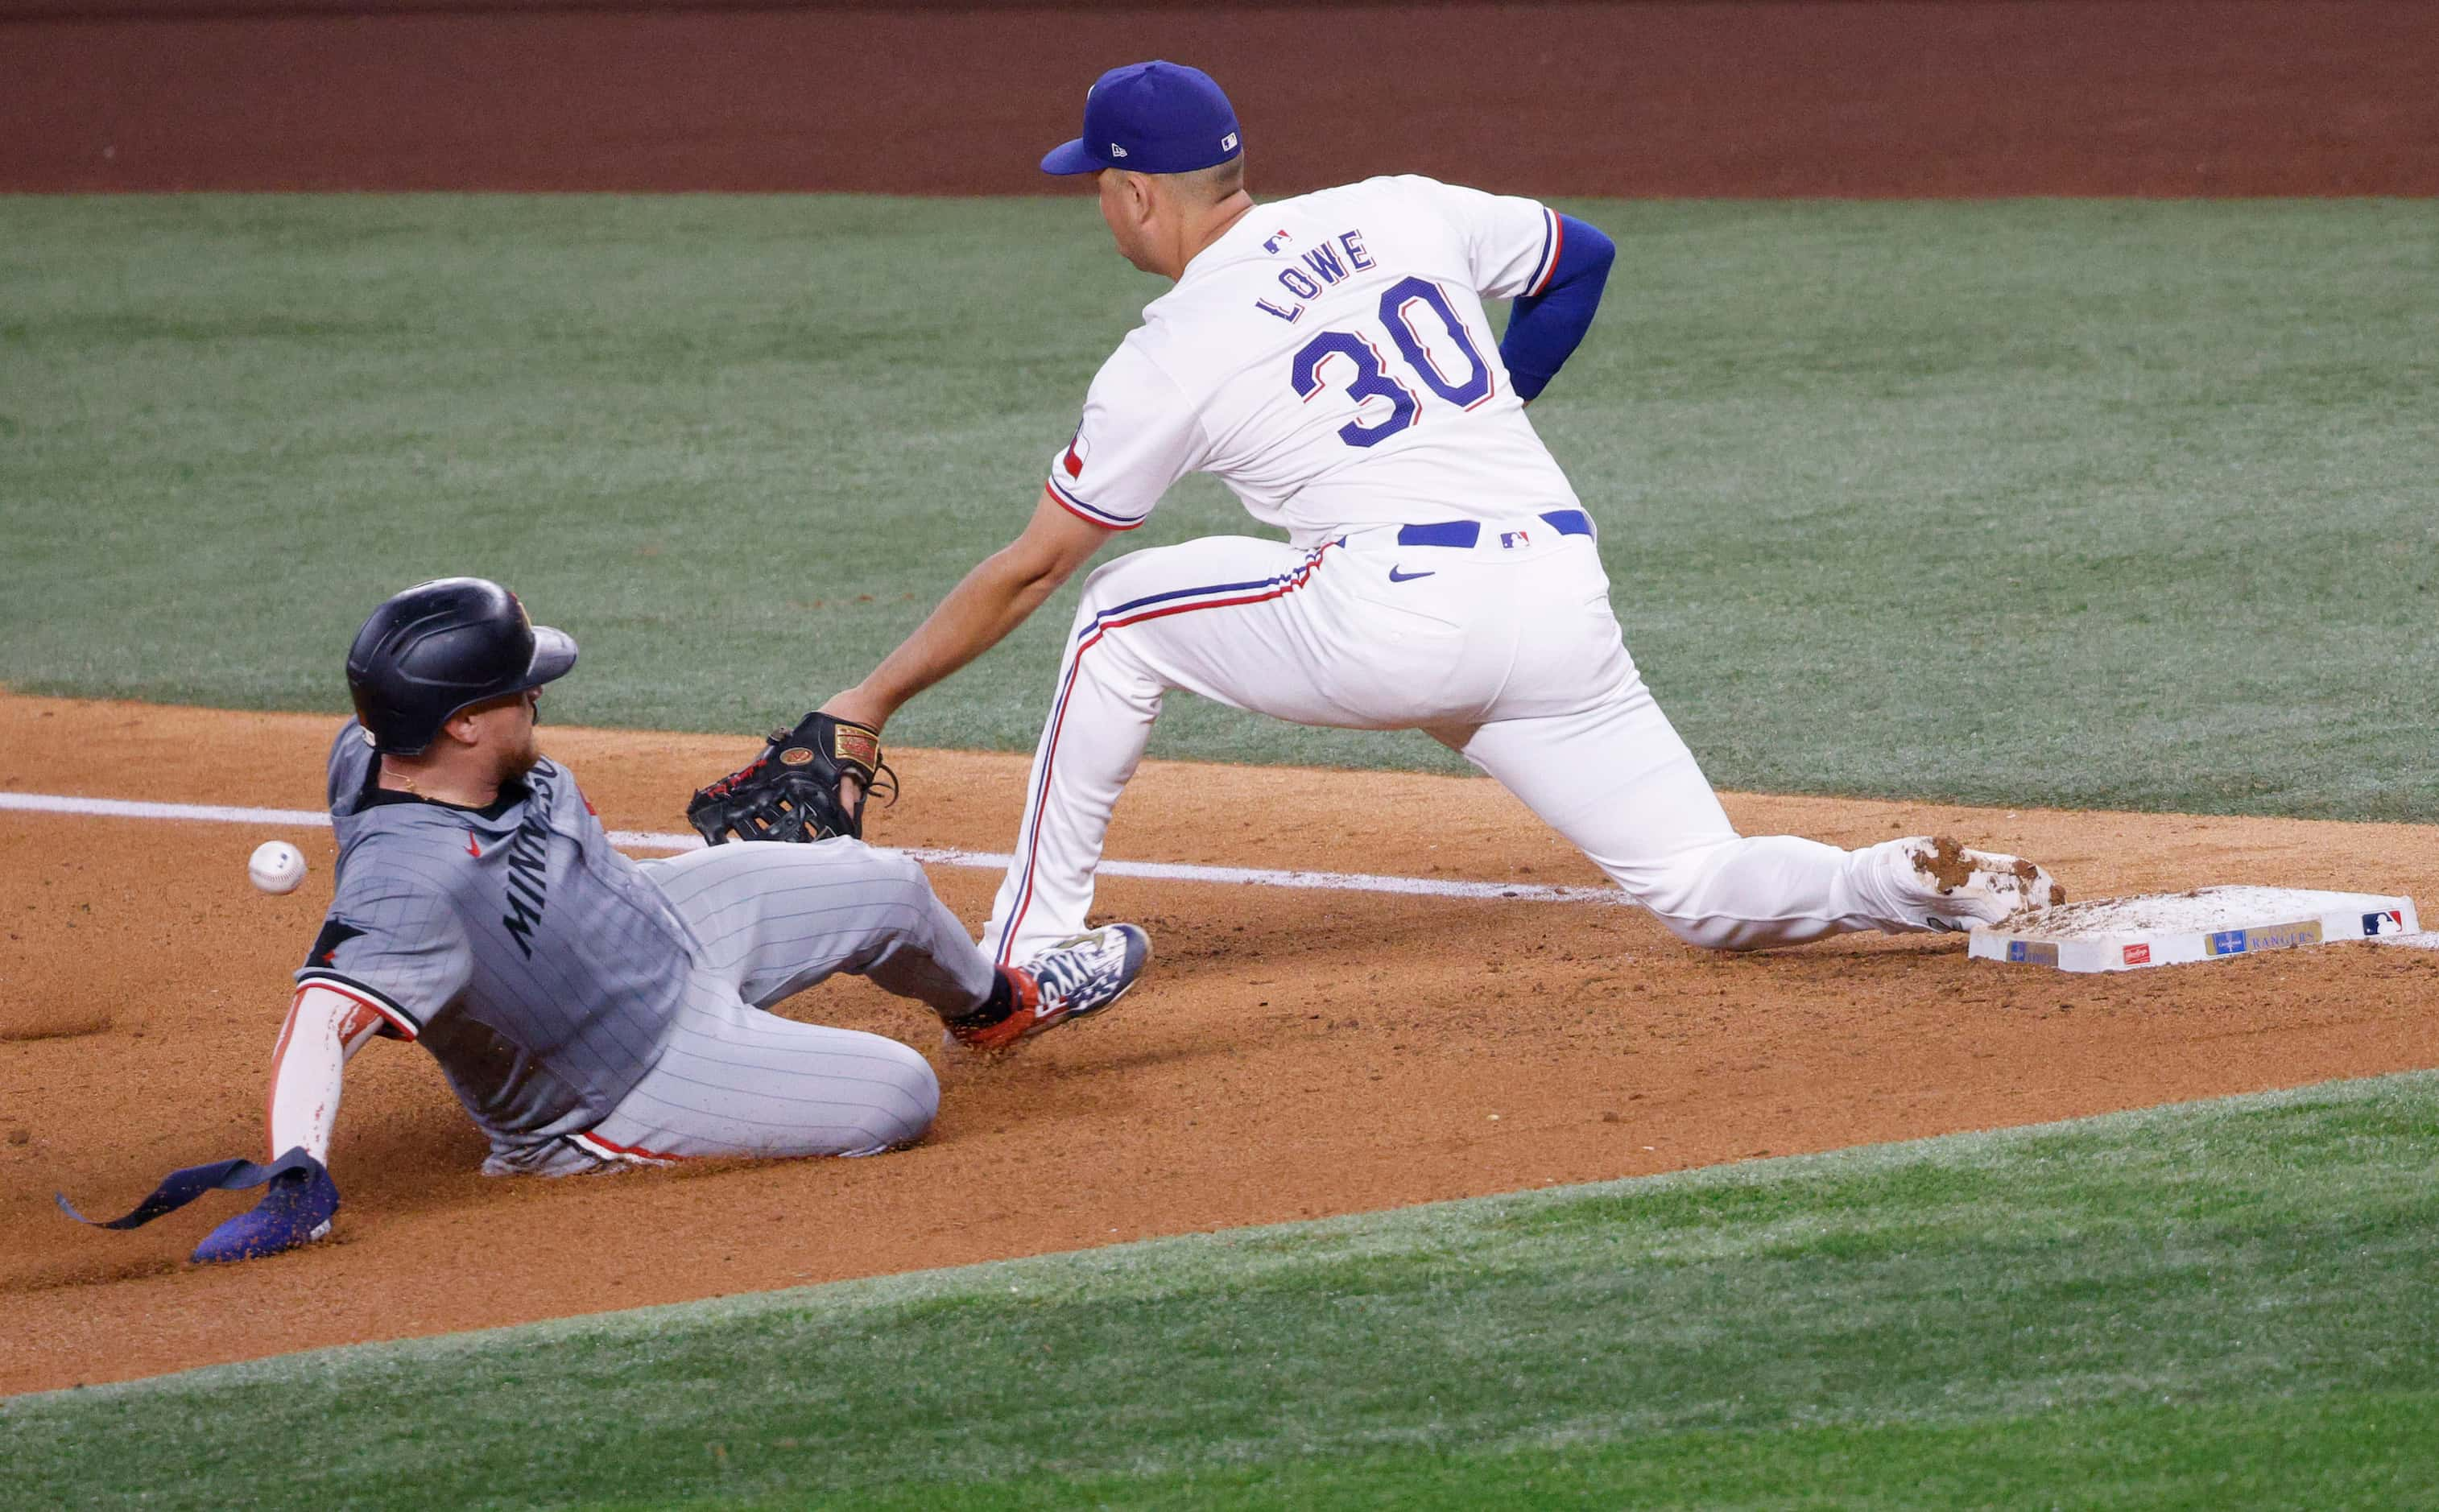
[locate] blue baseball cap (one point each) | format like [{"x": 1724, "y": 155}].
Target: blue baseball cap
[{"x": 1154, "y": 118}]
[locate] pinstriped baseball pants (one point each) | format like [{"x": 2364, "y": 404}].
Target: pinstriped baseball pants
[{"x": 734, "y": 1079}]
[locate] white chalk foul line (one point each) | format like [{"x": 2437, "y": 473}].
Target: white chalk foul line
[{"x": 1335, "y": 882}]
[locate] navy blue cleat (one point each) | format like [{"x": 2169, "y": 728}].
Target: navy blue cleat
[{"x": 296, "y": 1211}]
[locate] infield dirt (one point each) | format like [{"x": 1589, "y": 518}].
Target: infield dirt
[{"x": 1291, "y": 1054}]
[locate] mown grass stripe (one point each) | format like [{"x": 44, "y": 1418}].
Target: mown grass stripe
[
  {"x": 2248, "y": 1259},
  {"x": 2085, "y": 504}
]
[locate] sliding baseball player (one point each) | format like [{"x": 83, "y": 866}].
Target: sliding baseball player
[{"x": 590, "y": 1011}]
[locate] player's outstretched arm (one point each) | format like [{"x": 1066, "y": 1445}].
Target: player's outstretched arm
[
  {"x": 324, "y": 1031},
  {"x": 993, "y": 599},
  {"x": 1544, "y": 329}
]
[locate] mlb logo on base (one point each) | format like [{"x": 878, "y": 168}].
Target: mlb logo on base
[{"x": 2390, "y": 922}]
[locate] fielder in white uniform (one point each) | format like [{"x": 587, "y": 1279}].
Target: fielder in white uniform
[{"x": 1329, "y": 357}]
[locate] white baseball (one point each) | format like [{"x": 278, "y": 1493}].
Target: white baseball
[{"x": 276, "y": 866}]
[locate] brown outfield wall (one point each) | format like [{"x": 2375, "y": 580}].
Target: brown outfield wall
[{"x": 2165, "y": 97}]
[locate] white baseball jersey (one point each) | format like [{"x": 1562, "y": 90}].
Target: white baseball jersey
[{"x": 1330, "y": 359}]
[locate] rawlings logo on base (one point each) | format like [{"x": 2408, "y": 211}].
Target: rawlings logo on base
[{"x": 2138, "y": 955}]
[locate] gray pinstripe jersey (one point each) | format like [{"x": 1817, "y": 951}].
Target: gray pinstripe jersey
[{"x": 538, "y": 964}]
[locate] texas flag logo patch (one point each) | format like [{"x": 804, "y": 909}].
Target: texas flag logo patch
[{"x": 1077, "y": 450}]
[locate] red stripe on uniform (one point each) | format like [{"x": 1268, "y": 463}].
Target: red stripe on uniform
[
  {"x": 271, "y": 1098},
  {"x": 1557, "y": 245},
  {"x": 631, "y": 1152},
  {"x": 1082, "y": 512},
  {"x": 1059, "y": 721},
  {"x": 396, "y": 1020}
]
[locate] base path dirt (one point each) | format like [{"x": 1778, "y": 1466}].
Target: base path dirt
[
  {"x": 1673, "y": 97},
  {"x": 1290, "y": 1055}
]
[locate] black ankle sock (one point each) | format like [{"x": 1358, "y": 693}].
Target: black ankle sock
[{"x": 1001, "y": 1002}]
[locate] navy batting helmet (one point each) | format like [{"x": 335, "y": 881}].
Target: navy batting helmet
[{"x": 439, "y": 647}]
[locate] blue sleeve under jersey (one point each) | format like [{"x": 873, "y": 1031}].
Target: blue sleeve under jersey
[{"x": 1544, "y": 329}]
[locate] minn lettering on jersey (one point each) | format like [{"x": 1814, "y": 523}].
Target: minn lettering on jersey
[
  {"x": 1336, "y": 258},
  {"x": 528, "y": 872}
]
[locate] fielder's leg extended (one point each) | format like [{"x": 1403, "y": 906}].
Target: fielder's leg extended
[
  {"x": 1574, "y": 732},
  {"x": 1617, "y": 781},
  {"x": 1227, "y": 618}
]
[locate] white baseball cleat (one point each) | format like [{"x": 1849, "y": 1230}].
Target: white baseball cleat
[
  {"x": 1069, "y": 980},
  {"x": 1953, "y": 888}
]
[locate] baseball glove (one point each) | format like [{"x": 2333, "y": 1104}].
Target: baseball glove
[{"x": 792, "y": 791}]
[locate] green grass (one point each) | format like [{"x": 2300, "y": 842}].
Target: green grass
[
  {"x": 2114, "y": 504},
  {"x": 2224, "y": 1303}
]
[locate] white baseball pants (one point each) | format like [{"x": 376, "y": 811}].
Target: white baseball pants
[{"x": 1506, "y": 650}]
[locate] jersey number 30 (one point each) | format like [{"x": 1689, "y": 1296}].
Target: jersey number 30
[{"x": 1398, "y": 312}]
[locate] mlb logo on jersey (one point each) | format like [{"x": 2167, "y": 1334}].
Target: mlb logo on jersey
[
  {"x": 1271, "y": 243},
  {"x": 1510, "y": 540},
  {"x": 1077, "y": 450}
]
